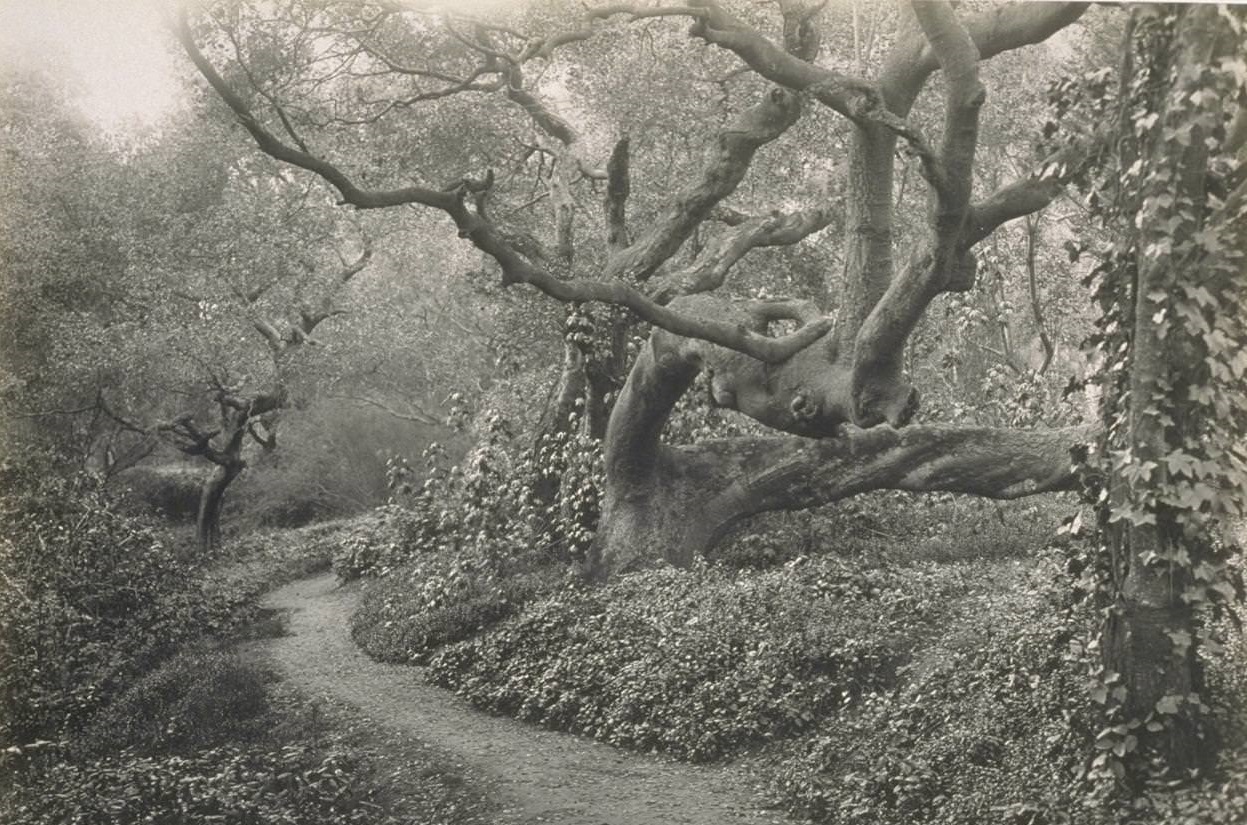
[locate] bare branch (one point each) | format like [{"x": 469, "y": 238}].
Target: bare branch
[
  {"x": 1012, "y": 26},
  {"x": 964, "y": 96},
  {"x": 850, "y": 96},
  {"x": 1032, "y": 193},
  {"x": 764, "y": 312},
  {"x": 1032, "y": 280},
  {"x": 352, "y": 269},
  {"x": 723, "y": 172},
  {"x": 122, "y": 421},
  {"x": 270, "y": 334},
  {"x": 415, "y": 414},
  {"x": 92, "y": 407},
  {"x": 710, "y": 269},
  {"x": 618, "y": 187},
  {"x": 736, "y": 146},
  {"x": 517, "y": 269},
  {"x": 273, "y": 146},
  {"x": 268, "y": 442},
  {"x": 545, "y": 118}
]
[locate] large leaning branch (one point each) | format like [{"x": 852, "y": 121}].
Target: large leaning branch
[
  {"x": 787, "y": 473},
  {"x": 515, "y": 267}
]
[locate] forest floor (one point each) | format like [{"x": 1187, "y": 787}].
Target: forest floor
[{"x": 532, "y": 775}]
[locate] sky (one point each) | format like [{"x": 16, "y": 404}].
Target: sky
[{"x": 115, "y": 54}]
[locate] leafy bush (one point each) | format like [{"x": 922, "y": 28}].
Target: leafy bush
[
  {"x": 696, "y": 663},
  {"x": 197, "y": 699},
  {"x": 374, "y": 544},
  {"x": 468, "y": 545},
  {"x": 492, "y": 506},
  {"x": 90, "y": 598},
  {"x": 989, "y": 727},
  {"x": 293, "y": 784}
]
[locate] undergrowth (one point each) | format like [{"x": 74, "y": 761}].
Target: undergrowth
[
  {"x": 119, "y": 701},
  {"x": 699, "y": 663},
  {"x": 210, "y": 737}
]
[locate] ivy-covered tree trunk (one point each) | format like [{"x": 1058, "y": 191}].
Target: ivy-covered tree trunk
[{"x": 1174, "y": 335}]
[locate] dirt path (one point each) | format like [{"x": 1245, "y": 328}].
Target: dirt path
[{"x": 537, "y": 775}]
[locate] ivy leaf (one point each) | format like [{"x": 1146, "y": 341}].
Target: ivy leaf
[
  {"x": 1225, "y": 589},
  {"x": 1180, "y": 463},
  {"x": 1168, "y": 704}
]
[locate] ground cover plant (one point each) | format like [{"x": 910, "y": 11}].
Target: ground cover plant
[
  {"x": 705, "y": 662},
  {"x": 987, "y": 725},
  {"x": 211, "y": 736},
  {"x": 121, "y": 700},
  {"x": 919, "y": 683}
]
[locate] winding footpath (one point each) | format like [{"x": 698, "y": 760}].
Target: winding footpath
[{"x": 537, "y": 776}]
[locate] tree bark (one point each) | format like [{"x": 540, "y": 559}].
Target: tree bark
[
  {"x": 1150, "y": 630},
  {"x": 674, "y": 503},
  {"x": 212, "y": 502}
]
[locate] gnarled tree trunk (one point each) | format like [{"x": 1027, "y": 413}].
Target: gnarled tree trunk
[{"x": 674, "y": 503}]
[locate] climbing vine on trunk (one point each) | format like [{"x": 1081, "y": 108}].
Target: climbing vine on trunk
[{"x": 1172, "y": 462}]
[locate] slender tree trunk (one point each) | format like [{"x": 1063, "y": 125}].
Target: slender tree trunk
[{"x": 212, "y": 502}]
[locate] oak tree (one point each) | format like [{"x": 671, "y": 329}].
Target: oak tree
[{"x": 825, "y": 372}]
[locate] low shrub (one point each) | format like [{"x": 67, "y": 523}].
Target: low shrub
[
  {"x": 294, "y": 784},
  {"x": 468, "y": 545},
  {"x": 984, "y": 728},
  {"x": 697, "y": 663},
  {"x": 198, "y": 699},
  {"x": 374, "y": 544},
  {"x": 435, "y": 601}
]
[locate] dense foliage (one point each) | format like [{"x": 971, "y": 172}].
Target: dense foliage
[
  {"x": 293, "y": 784},
  {"x": 90, "y": 600},
  {"x": 464, "y": 546},
  {"x": 699, "y": 663},
  {"x": 198, "y": 739}
]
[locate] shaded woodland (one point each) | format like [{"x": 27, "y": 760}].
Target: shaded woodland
[{"x": 862, "y": 382}]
